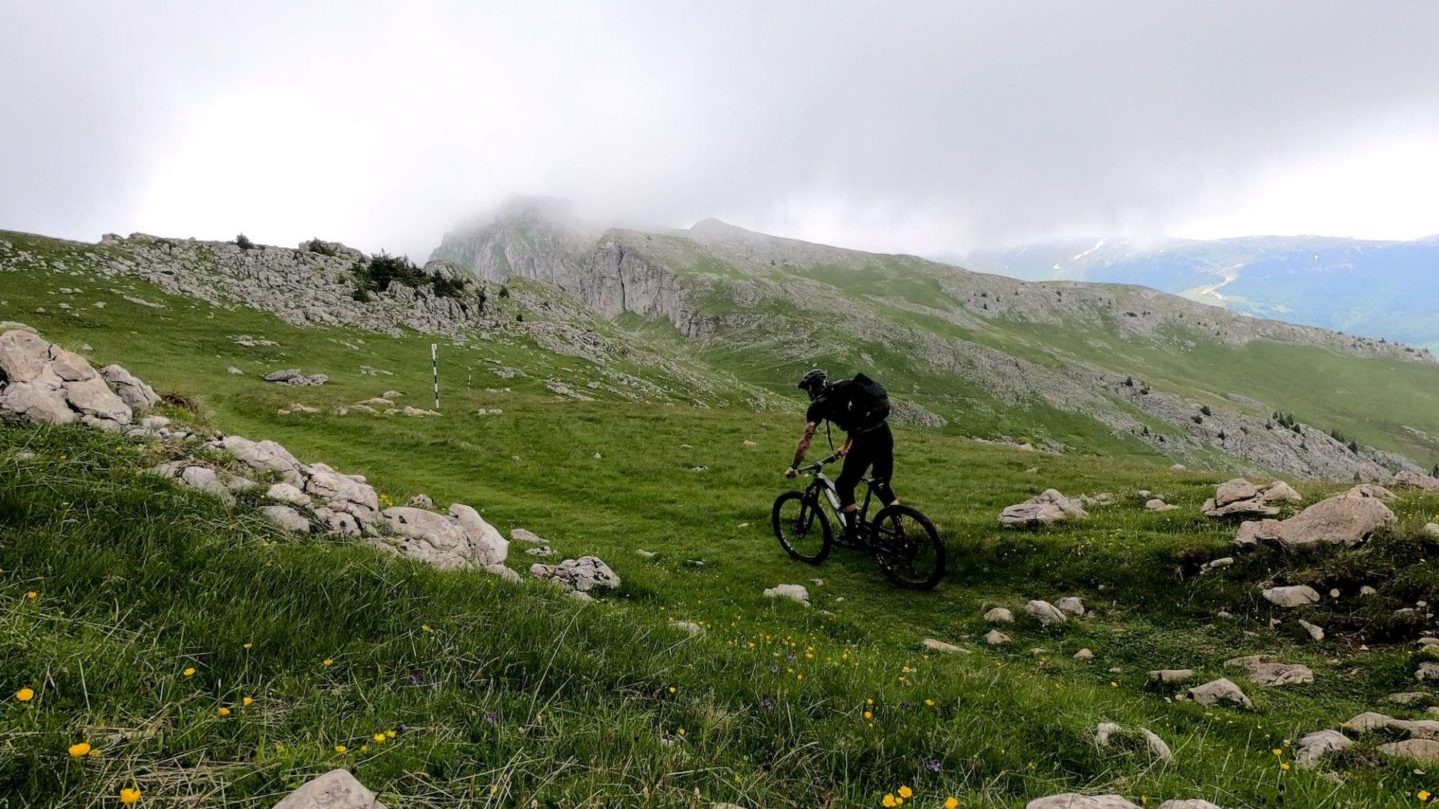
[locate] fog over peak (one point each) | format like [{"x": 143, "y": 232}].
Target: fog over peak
[{"x": 906, "y": 127}]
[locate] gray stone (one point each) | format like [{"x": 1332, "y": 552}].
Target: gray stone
[
  {"x": 794, "y": 592},
  {"x": 1191, "y": 803},
  {"x": 523, "y": 535},
  {"x": 347, "y": 493},
  {"x": 285, "y": 493},
  {"x": 1294, "y": 596},
  {"x": 583, "y": 575},
  {"x": 435, "y": 539},
  {"x": 1316, "y": 632},
  {"x": 206, "y": 480},
  {"x": 487, "y": 545},
  {"x": 1281, "y": 492},
  {"x": 1042, "y": 509},
  {"x": 421, "y": 501},
  {"x": 287, "y": 518},
  {"x": 996, "y": 638},
  {"x": 23, "y": 355},
  {"x": 940, "y": 646},
  {"x": 1266, "y": 671},
  {"x": 1044, "y": 612},
  {"x": 1347, "y": 519},
  {"x": 1427, "y": 673},
  {"x": 1073, "y": 800},
  {"x": 93, "y": 397},
  {"x": 688, "y": 626},
  {"x": 1234, "y": 491},
  {"x": 35, "y": 403},
  {"x": 1315, "y": 746},
  {"x": 132, "y": 391},
  {"x": 1084, "y": 655},
  {"x": 1157, "y": 504},
  {"x": 336, "y": 789},
  {"x": 1071, "y": 605},
  {"x": 1424, "y": 751},
  {"x": 262, "y": 456},
  {"x": 999, "y": 615},
  {"x": 1410, "y": 479},
  {"x": 1171, "y": 676},
  {"x": 1220, "y": 692}
]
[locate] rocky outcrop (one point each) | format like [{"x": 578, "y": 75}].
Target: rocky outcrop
[
  {"x": 1220, "y": 692},
  {"x": 1044, "y": 612},
  {"x": 583, "y": 575},
  {"x": 1240, "y": 498},
  {"x": 1109, "y": 735},
  {"x": 1266, "y": 671},
  {"x": 1313, "y": 747},
  {"x": 1347, "y": 519},
  {"x": 296, "y": 378},
  {"x": 1411, "y": 479},
  {"x": 41, "y": 383},
  {"x": 1298, "y": 595},
  {"x": 1042, "y": 509}
]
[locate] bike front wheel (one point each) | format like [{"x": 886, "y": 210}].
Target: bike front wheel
[
  {"x": 908, "y": 548},
  {"x": 801, "y": 527}
]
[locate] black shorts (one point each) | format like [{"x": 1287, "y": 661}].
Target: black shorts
[{"x": 868, "y": 449}]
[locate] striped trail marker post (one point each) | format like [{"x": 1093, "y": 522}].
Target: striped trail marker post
[{"x": 435, "y": 365}]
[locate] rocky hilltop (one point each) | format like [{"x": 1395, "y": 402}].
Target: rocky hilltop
[{"x": 1064, "y": 344}]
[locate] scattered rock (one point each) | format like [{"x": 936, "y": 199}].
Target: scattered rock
[
  {"x": 1215, "y": 564},
  {"x": 1043, "y": 509},
  {"x": 1157, "y": 504},
  {"x": 688, "y": 626},
  {"x": 1109, "y": 735},
  {"x": 999, "y": 615},
  {"x": 1427, "y": 673},
  {"x": 421, "y": 501},
  {"x": 522, "y": 535},
  {"x": 1281, "y": 492},
  {"x": 1084, "y": 655},
  {"x": 940, "y": 646},
  {"x": 1071, "y": 605},
  {"x": 1408, "y": 698},
  {"x": 1298, "y": 595},
  {"x": 642, "y": 553},
  {"x": 794, "y": 592},
  {"x": 996, "y": 638},
  {"x": 1409, "y": 479},
  {"x": 1238, "y": 498},
  {"x": 1220, "y": 692},
  {"x": 232, "y": 370},
  {"x": 1266, "y": 671},
  {"x": 1044, "y": 612},
  {"x": 582, "y": 575},
  {"x": 336, "y": 789},
  {"x": 131, "y": 391},
  {"x": 206, "y": 480},
  {"x": 1431, "y": 530},
  {"x": 293, "y": 376},
  {"x": 285, "y": 493},
  {"x": 1171, "y": 676},
  {"x": 542, "y": 552},
  {"x": 1316, "y": 632}
]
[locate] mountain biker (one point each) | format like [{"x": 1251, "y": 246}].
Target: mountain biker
[{"x": 860, "y": 407}]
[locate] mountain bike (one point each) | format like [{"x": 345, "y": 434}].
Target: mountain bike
[{"x": 903, "y": 541}]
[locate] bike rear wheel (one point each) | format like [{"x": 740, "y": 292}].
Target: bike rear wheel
[
  {"x": 908, "y": 548},
  {"x": 801, "y": 527}
]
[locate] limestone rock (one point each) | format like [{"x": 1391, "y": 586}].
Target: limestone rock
[
  {"x": 285, "y": 493},
  {"x": 421, "y": 501},
  {"x": 204, "y": 479},
  {"x": 1266, "y": 671},
  {"x": 1293, "y": 596},
  {"x": 94, "y": 398},
  {"x": 1157, "y": 504},
  {"x": 688, "y": 626},
  {"x": 1234, "y": 491},
  {"x": 336, "y": 789},
  {"x": 262, "y": 456},
  {"x": 1084, "y": 655},
  {"x": 794, "y": 592},
  {"x": 1220, "y": 692},
  {"x": 1071, "y": 605},
  {"x": 1044, "y": 612},
  {"x": 940, "y": 646},
  {"x": 523, "y": 535},
  {"x": 24, "y": 355},
  {"x": 996, "y": 638},
  {"x": 487, "y": 545},
  {"x": 1281, "y": 492},
  {"x": 287, "y": 518},
  {"x": 582, "y": 575},
  {"x": 1425, "y": 751},
  {"x": 132, "y": 391},
  {"x": 1409, "y": 479},
  {"x": 1314, "y": 746},
  {"x": 1347, "y": 519},
  {"x": 999, "y": 615},
  {"x": 1315, "y": 632},
  {"x": 1431, "y": 530},
  {"x": 347, "y": 493},
  {"x": 1427, "y": 673},
  {"x": 1042, "y": 509},
  {"x": 1072, "y": 800},
  {"x": 1109, "y": 734},
  {"x": 1171, "y": 676},
  {"x": 35, "y": 403},
  {"x": 1192, "y": 803},
  {"x": 434, "y": 539}
]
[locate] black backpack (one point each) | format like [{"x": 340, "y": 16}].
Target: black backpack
[{"x": 859, "y": 403}]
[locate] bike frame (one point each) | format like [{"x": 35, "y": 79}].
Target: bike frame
[{"x": 822, "y": 484}]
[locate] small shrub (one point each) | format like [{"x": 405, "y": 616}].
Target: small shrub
[
  {"x": 1197, "y": 418},
  {"x": 1204, "y": 410},
  {"x": 315, "y": 245},
  {"x": 504, "y": 291},
  {"x": 244, "y": 242}
]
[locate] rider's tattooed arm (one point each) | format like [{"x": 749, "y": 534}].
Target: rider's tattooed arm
[
  {"x": 848, "y": 439},
  {"x": 804, "y": 440}
]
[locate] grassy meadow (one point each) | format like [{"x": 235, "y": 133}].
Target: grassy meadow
[{"x": 441, "y": 689}]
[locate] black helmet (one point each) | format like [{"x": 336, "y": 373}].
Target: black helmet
[{"x": 813, "y": 380}]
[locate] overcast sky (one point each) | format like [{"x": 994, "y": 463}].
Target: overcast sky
[{"x": 917, "y": 127}]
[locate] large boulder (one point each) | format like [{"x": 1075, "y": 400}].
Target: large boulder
[
  {"x": 488, "y": 546},
  {"x": 1042, "y": 509},
  {"x": 262, "y": 456},
  {"x": 35, "y": 403},
  {"x": 336, "y": 789},
  {"x": 425, "y": 536},
  {"x": 1424, "y": 751},
  {"x": 580, "y": 575},
  {"x": 346, "y": 493},
  {"x": 1238, "y": 498},
  {"x": 24, "y": 356},
  {"x": 1233, "y": 491},
  {"x": 131, "y": 390},
  {"x": 1044, "y": 612},
  {"x": 92, "y": 397},
  {"x": 1347, "y": 519}
]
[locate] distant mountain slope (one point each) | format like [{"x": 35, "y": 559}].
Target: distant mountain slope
[
  {"x": 1057, "y": 364},
  {"x": 1378, "y": 289}
]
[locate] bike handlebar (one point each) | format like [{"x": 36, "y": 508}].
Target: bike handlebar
[{"x": 820, "y": 464}]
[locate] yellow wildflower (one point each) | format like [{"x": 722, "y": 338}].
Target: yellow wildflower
[
  {"x": 906, "y": 792},
  {"x": 951, "y": 802},
  {"x": 888, "y": 800},
  {"x": 869, "y": 714},
  {"x": 1423, "y": 796},
  {"x": 247, "y": 701},
  {"x": 247, "y": 646},
  {"x": 129, "y": 795},
  {"x": 389, "y": 734},
  {"x": 189, "y": 671},
  {"x": 379, "y": 738},
  {"x": 80, "y": 750},
  {"x": 25, "y": 694},
  {"x": 329, "y": 661},
  {"x": 1276, "y": 751},
  {"x": 929, "y": 703},
  {"x": 1284, "y": 766},
  {"x": 223, "y": 711},
  {"x": 341, "y": 749}
]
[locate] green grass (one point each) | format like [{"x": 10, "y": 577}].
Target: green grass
[{"x": 517, "y": 694}]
